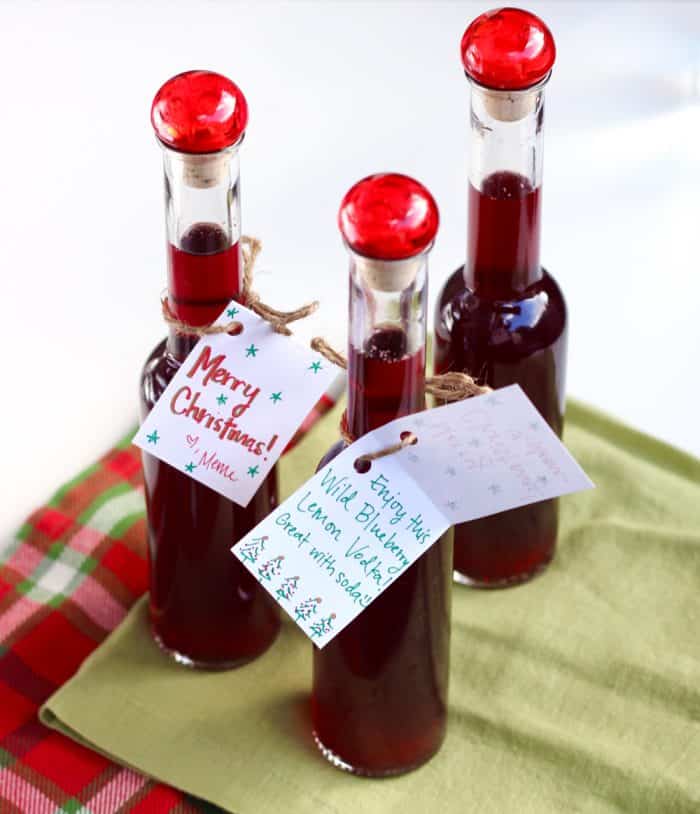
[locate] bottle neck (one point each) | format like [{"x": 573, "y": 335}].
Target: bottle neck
[
  {"x": 505, "y": 191},
  {"x": 202, "y": 216},
  {"x": 386, "y": 347}
]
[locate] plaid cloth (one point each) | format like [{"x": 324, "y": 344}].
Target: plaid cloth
[{"x": 68, "y": 579}]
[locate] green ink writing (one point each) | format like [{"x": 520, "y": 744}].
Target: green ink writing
[
  {"x": 323, "y": 559},
  {"x": 371, "y": 565},
  {"x": 367, "y": 517},
  {"x": 338, "y": 488},
  {"x": 389, "y": 500},
  {"x": 415, "y": 525},
  {"x": 317, "y": 513},
  {"x": 353, "y": 590},
  {"x": 284, "y": 522}
]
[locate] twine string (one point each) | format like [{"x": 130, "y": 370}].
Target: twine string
[
  {"x": 319, "y": 344},
  {"x": 181, "y": 327},
  {"x": 279, "y": 320},
  {"x": 407, "y": 439}
]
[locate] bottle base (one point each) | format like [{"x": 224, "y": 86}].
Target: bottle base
[
  {"x": 507, "y": 582},
  {"x": 335, "y": 760},
  {"x": 199, "y": 664}
]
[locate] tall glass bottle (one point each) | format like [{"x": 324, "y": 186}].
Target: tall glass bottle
[
  {"x": 379, "y": 700},
  {"x": 206, "y": 609},
  {"x": 501, "y": 317}
]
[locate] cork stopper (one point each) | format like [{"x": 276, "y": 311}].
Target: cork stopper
[
  {"x": 206, "y": 170},
  {"x": 388, "y": 275},
  {"x": 510, "y": 106}
]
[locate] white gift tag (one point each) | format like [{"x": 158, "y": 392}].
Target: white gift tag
[
  {"x": 487, "y": 454},
  {"x": 341, "y": 539},
  {"x": 234, "y": 404}
]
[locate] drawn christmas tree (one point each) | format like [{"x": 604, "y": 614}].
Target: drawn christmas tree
[
  {"x": 323, "y": 626},
  {"x": 250, "y": 551},
  {"x": 288, "y": 588},
  {"x": 306, "y": 608},
  {"x": 271, "y": 568}
]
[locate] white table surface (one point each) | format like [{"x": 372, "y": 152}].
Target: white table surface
[{"x": 336, "y": 91}]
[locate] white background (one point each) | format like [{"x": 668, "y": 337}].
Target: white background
[{"x": 336, "y": 91}]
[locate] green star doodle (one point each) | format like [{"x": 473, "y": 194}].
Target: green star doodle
[
  {"x": 315, "y": 366},
  {"x": 251, "y": 350},
  {"x": 153, "y": 438},
  {"x": 232, "y": 312},
  {"x": 190, "y": 467},
  {"x": 276, "y": 397},
  {"x": 253, "y": 471},
  {"x": 222, "y": 399}
]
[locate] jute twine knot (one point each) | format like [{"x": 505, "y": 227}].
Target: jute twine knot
[
  {"x": 454, "y": 386},
  {"x": 279, "y": 320}
]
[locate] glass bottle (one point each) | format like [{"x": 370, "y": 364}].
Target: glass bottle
[
  {"x": 379, "y": 700},
  {"x": 501, "y": 317},
  {"x": 206, "y": 610}
]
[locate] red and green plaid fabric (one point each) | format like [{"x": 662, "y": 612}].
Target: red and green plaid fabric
[{"x": 66, "y": 581}]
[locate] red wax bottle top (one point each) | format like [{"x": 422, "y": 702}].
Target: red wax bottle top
[
  {"x": 199, "y": 112},
  {"x": 388, "y": 217},
  {"x": 508, "y": 49}
]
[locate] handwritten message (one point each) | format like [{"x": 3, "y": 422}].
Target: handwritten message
[
  {"x": 234, "y": 404},
  {"x": 341, "y": 539},
  {"x": 486, "y": 455}
]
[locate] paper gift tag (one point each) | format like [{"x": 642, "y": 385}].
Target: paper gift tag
[
  {"x": 485, "y": 455},
  {"x": 234, "y": 404},
  {"x": 341, "y": 539}
]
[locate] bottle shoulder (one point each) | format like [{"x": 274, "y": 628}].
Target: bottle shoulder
[
  {"x": 540, "y": 312},
  {"x": 332, "y": 453},
  {"x": 157, "y": 373}
]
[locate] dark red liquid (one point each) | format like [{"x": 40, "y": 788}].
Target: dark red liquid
[
  {"x": 384, "y": 381},
  {"x": 203, "y": 274},
  {"x": 379, "y": 701},
  {"x": 502, "y": 319},
  {"x": 504, "y": 236},
  {"x": 205, "y": 606}
]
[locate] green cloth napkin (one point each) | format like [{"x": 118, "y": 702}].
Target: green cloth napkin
[{"x": 577, "y": 692}]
